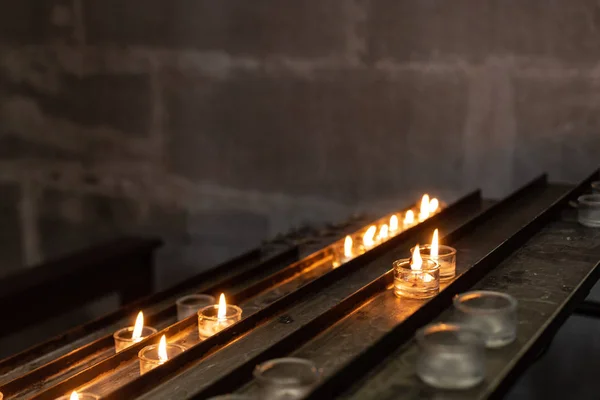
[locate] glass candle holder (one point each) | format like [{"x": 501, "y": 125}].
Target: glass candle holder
[
  {"x": 446, "y": 258},
  {"x": 209, "y": 323},
  {"x": 595, "y": 187},
  {"x": 451, "y": 356},
  {"x": 588, "y": 210},
  {"x": 189, "y": 305},
  {"x": 81, "y": 396},
  {"x": 286, "y": 378},
  {"x": 149, "y": 358},
  {"x": 123, "y": 337},
  {"x": 416, "y": 284},
  {"x": 492, "y": 313}
]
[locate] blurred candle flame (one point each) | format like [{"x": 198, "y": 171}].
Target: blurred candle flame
[
  {"x": 424, "y": 209},
  {"x": 434, "y": 245},
  {"x": 393, "y": 223},
  {"x": 348, "y": 247},
  {"x": 383, "y": 232},
  {"x": 409, "y": 219},
  {"x": 369, "y": 236},
  {"x": 433, "y": 205},
  {"x": 74, "y": 396}
]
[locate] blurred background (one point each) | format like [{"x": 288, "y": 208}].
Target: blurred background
[{"x": 218, "y": 124}]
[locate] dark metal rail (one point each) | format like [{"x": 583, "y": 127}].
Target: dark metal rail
[
  {"x": 214, "y": 343},
  {"x": 367, "y": 360},
  {"x": 242, "y": 373}
]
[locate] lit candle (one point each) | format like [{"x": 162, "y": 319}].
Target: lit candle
[
  {"x": 79, "y": 396},
  {"x": 383, "y": 233},
  {"x": 343, "y": 252},
  {"x": 424, "y": 209},
  {"x": 409, "y": 219},
  {"x": 369, "y": 237},
  {"x": 132, "y": 334},
  {"x": 152, "y": 356},
  {"x": 434, "y": 204},
  {"x": 445, "y": 256},
  {"x": 416, "y": 277},
  {"x": 393, "y": 224},
  {"x": 215, "y": 318}
]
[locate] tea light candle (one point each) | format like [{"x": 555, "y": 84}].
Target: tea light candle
[
  {"x": 424, "y": 209},
  {"x": 215, "y": 318},
  {"x": 369, "y": 237},
  {"x": 416, "y": 278},
  {"x": 444, "y": 255},
  {"x": 343, "y": 253},
  {"x": 383, "y": 233},
  {"x": 152, "y": 356},
  {"x": 78, "y": 396},
  {"x": 393, "y": 225},
  {"x": 434, "y": 204},
  {"x": 132, "y": 334}
]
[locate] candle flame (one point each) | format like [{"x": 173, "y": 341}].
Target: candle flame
[
  {"x": 424, "y": 209},
  {"x": 162, "y": 349},
  {"x": 74, "y": 396},
  {"x": 138, "y": 327},
  {"x": 222, "y": 308},
  {"x": 433, "y": 205},
  {"x": 383, "y": 232},
  {"x": 368, "y": 237},
  {"x": 417, "y": 261},
  {"x": 348, "y": 247},
  {"x": 434, "y": 245},
  {"x": 393, "y": 223},
  {"x": 409, "y": 219}
]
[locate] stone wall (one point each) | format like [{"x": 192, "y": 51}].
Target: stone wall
[{"x": 219, "y": 123}]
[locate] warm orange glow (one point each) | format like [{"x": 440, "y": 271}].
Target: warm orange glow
[
  {"x": 222, "y": 309},
  {"x": 369, "y": 236},
  {"x": 348, "y": 247},
  {"x": 393, "y": 223},
  {"x": 383, "y": 232},
  {"x": 138, "y": 327},
  {"x": 433, "y": 205},
  {"x": 409, "y": 219},
  {"x": 74, "y": 396},
  {"x": 162, "y": 349},
  {"x": 416, "y": 262},
  {"x": 434, "y": 245},
  {"x": 424, "y": 209}
]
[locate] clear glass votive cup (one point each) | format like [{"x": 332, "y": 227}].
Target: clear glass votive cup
[
  {"x": 149, "y": 359},
  {"x": 451, "y": 356},
  {"x": 416, "y": 284},
  {"x": 595, "y": 187},
  {"x": 446, "y": 258},
  {"x": 286, "y": 378},
  {"x": 588, "y": 210},
  {"x": 191, "y": 304},
  {"x": 82, "y": 396},
  {"x": 209, "y": 323},
  {"x": 123, "y": 337},
  {"x": 492, "y": 313}
]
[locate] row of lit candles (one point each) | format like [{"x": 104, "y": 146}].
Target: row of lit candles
[{"x": 216, "y": 317}]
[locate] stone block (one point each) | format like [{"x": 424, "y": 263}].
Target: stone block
[
  {"x": 33, "y": 22},
  {"x": 558, "y": 120},
  {"x": 118, "y": 102},
  {"x": 11, "y": 245},
  {"x": 474, "y": 29},
  {"x": 311, "y": 28},
  {"x": 345, "y": 135}
]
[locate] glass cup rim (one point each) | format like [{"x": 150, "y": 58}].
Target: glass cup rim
[
  {"x": 236, "y": 314},
  {"x": 181, "y": 301},
  {"x": 459, "y": 304},
  {"x": 230, "y": 396},
  {"x": 450, "y": 251},
  {"x": 261, "y": 368},
  {"x": 592, "y": 199},
  {"x": 403, "y": 262},
  {"x": 117, "y": 334},
  {"x": 423, "y": 333},
  {"x": 81, "y": 394},
  {"x": 142, "y": 352}
]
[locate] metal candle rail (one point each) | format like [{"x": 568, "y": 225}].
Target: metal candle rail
[
  {"x": 374, "y": 355},
  {"x": 239, "y": 374},
  {"x": 222, "y": 338}
]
